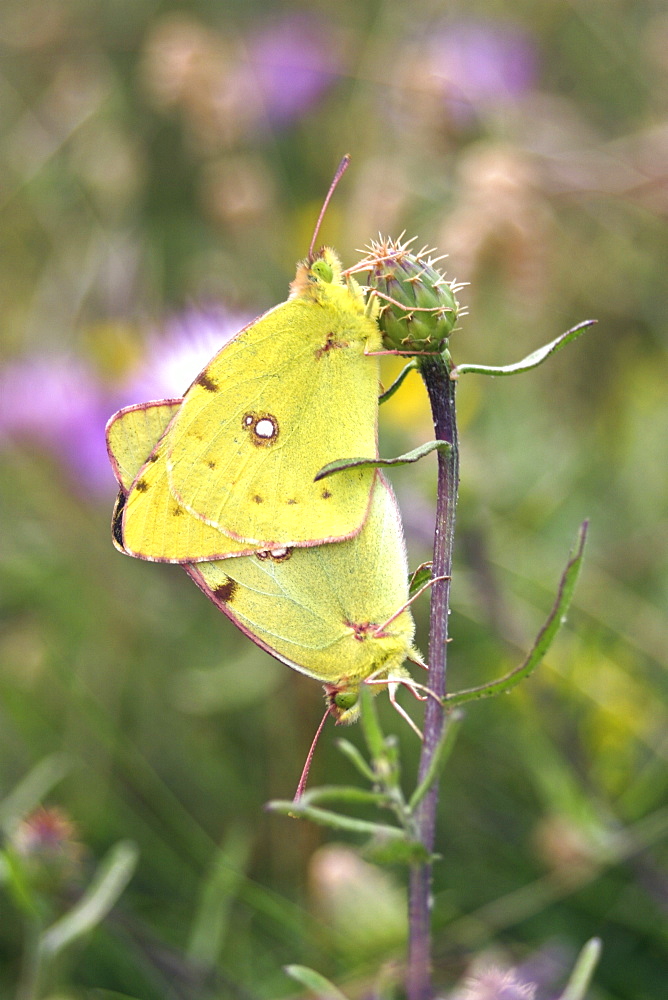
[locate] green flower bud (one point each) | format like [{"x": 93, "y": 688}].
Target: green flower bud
[{"x": 417, "y": 306}]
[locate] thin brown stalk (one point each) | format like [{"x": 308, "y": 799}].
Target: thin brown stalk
[{"x": 435, "y": 371}]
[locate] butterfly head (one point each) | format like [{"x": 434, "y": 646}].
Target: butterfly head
[
  {"x": 343, "y": 702},
  {"x": 316, "y": 275},
  {"x": 343, "y": 698}
]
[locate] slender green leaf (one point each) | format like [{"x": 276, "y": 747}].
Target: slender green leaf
[
  {"x": 532, "y": 360},
  {"x": 324, "y": 817},
  {"x": 438, "y": 760},
  {"x": 544, "y": 638},
  {"x": 419, "y": 578},
  {"x": 342, "y": 793},
  {"x": 350, "y": 751},
  {"x": 382, "y": 463},
  {"x": 584, "y": 969},
  {"x": 384, "y": 396},
  {"x": 111, "y": 878},
  {"x": 373, "y": 734},
  {"x": 396, "y": 852},
  {"x": 314, "y": 982}
]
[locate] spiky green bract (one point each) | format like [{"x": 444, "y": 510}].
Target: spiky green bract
[{"x": 417, "y": 306}]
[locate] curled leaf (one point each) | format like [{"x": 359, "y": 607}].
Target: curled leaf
[
  {"x": 544, "y": 638},
  {"x": 531, "y": 360},
  {"x": 389, "y": 392},
  {"x": 381, "y": 463}
]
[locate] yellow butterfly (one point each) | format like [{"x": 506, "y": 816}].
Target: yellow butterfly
[
  {"x": 234, "y": 469},
  {"x": 336, "y": 612}
]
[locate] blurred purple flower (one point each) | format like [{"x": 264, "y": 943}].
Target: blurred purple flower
[
  {"x": 57, "y": 403},
  {"x": 497, "y": 984},
  {"x": 61, "y": 404},
  {"x": 481, "y": 63},
  {"x": 293, "y": 62},
  {"x": 175, "y": 355}
]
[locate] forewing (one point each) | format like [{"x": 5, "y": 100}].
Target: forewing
[{"x": 292, "y": 392}]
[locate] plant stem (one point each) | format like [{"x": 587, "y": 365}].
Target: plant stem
[
  {"x": 435, "y": 371},
  {"x": 32, "y": 971}
]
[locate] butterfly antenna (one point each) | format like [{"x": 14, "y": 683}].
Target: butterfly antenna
[
  {"x": 307, "y": 763},
  {"x": 340, "y": 171}
]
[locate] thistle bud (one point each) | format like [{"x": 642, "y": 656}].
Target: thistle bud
[
  {"x": 418, "y": 309},
  {"x": 44, "y": 844}
]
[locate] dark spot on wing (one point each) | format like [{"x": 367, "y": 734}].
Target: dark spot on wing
[
  {"x": 176, "y": 511},
  {"x": 211, "y": 464},
  {"x": 154, "y": 457},
  {"x": 206, "y": 382},
  {"x": 225, "y": 592},
  {"x": 276, "y": 555},
  {"x": 141, "y": 486},
  {"x": 292, "y": 501},
  {"x": 325, "y": 494},
  {"x": 331, "y": 343},
  {"x": 257, "y": 499},
  {"x": 117, "y": 518}
]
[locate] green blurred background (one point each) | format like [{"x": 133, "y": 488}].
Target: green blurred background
[{"x": 161, "y": 168}]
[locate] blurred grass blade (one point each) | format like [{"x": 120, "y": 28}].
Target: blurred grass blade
[
  {"x": 381, "y": 463},
  {"x": 531, "y": 360},
  {"x": 101, "y": 994},
  {"x": 111, "y": 878},
  {"x": 581, "y": 976},
  {"x": 218, "y": 893},
  {"x": 544, "y": 639},
  {"x": 313, "y": 981},
  {"x": 32, "y": 789},
  {"x": 410, "y": 367}
]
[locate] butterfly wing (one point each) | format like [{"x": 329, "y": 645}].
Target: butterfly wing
[
  {"x": 315, "y": 608},
  {"x": 318, "y": 609},
  {"x": 132, "y": 434},
  {"x": 292, "y": 392}
]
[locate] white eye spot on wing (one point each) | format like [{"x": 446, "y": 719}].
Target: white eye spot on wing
[{"x": 265, "y": 428}]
